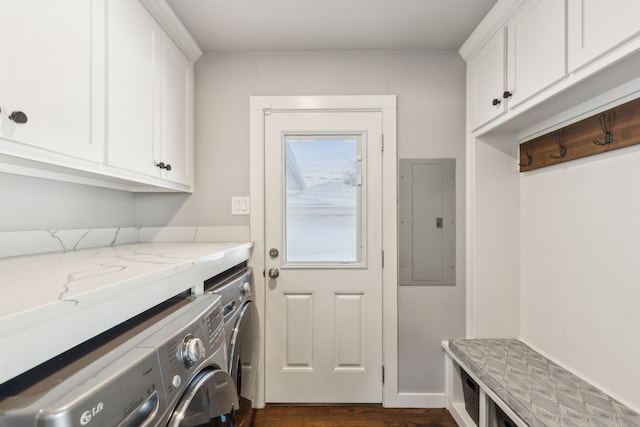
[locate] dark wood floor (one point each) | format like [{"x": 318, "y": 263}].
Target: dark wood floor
[{"x": 350, "y": 416}]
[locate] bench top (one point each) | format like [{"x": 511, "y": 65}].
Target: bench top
[{"x": 541, "y": 392}]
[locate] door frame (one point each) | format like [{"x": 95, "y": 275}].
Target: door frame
[{"x": 386, "y": 104}]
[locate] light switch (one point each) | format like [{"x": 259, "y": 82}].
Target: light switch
[{"x": 239, "y": 205}]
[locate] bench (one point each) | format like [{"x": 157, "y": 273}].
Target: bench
[{"x": 529, "y": 388}]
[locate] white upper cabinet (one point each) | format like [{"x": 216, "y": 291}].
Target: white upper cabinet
[
  {"x": 150, "y": 97},
  {"x": 176, "y": 115},
  {"x": 133, "y": 43},
  {"x": 596, "y": 26},
  {"x": 519, "y": 60},
  {"x": 536, "y": 48},
  {"x": 486, "y": 71},
  {"x": 51, "y": 54},
  {"x": 98, "y": 92}
]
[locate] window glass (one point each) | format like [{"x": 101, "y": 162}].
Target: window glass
[{"x": 323, "y": 199}]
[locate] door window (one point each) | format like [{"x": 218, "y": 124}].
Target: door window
[{"x": 323, "y": 202}]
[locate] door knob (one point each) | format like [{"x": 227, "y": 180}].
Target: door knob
[{"x": 274, "y": 273}]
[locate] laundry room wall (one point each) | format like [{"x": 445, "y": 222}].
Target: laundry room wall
[
  {"x": 431, "y": 117},
  {"x": 38, "y": 204},
  {"x": 580, "y": 256}
]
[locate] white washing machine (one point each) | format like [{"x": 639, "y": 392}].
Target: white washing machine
[
  {"x": 166, "y": 367},
  {"x": 237, "y": 290}
]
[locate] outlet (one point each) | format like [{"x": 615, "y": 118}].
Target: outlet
[{"x": 239, "y": 205}]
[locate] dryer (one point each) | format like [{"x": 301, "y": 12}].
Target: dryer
[
  {"x": 237, "y": 290},
  {"x": 166, "y": 367}
]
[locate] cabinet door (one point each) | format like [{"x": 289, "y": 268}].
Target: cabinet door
[
  {"x": 536, "y": 48},
  {"x": 487, "y": 80},
  {"x": 133, "y": 78},
  {"x": 596, "y": 26},
  {"x": 46, "y": 52},
  {"x": 176, "y": 136}
]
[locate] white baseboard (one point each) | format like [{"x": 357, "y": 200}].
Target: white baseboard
[{"x": 416, "y": 400}]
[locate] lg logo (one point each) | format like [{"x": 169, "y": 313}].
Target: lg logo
[{"x": 86, "y": 416}]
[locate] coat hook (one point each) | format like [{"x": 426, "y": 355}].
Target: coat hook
[
  {"x": 563, "y": 150},
  {"x": 606, "y": 124},
  {"x": 529, "y": 157}
]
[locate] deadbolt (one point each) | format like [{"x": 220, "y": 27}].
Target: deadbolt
[{"x": 273, "y": 253}]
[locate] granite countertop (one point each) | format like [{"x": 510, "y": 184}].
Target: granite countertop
[{"x": 53, "y": 302}]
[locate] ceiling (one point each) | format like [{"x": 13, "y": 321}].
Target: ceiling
[{"x": 330, "y": 25}]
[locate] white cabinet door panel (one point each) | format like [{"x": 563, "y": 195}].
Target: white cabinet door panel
[
  {"x": 46, "y": 52},
  {"x": 596, "y": 26},
  {"x": 176, "y": 113},
  {"x": 133, "y": 65},
  {"x": 487, "y": 80},
  {"x": 536, "y": 48}
]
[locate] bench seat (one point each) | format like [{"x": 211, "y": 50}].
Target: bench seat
[{"x": 539, "y": 391}]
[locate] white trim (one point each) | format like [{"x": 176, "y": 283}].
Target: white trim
[
  {"x": 261, "y": 105},
  {"x": 257, "y": 228},
  {"x": 619, "y": 95},
  {"x": 470, "y": 181},
  {"x": 490, "y": 24},
  {"x": 417, "y": 400},
  {"x": 307, "y": 103},
  {"x": 166, "y": 17}
]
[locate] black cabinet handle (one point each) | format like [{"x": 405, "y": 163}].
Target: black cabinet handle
[
  {"x": 495, "y": 102},
  {"x": 18, "y": 117},
  {"x": 506, "y": 94},
  {"x": 162, "y": 165}
]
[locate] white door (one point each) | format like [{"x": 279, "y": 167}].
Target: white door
[{"x": 323, "y": 203}]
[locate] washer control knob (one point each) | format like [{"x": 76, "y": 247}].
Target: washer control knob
[
  {"x": 245, "y": 288},
  {"x": 176, "y": 381},
  {"x": 193, "y": 350}
]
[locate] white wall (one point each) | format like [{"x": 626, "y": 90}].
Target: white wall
[
  {"x": 431, "y": 103},
  {"x": 494, "y": 297},
  {"x": 37, "y": 204},
  {"x": 494, "y": 294},
  {"x": 580, "y": 268}
]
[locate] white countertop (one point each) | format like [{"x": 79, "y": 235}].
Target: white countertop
[{"x": 52, "y": 302}]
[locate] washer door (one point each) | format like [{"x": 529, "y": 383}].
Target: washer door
[
  {"x": 209, "y": 400},
  {"x": 243, "y": 359}
]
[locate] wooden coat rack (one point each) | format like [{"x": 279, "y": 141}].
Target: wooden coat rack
[{"x": 615, "y": 128}]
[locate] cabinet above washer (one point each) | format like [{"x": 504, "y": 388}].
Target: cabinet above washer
[
  {"x": 150, "y": 97},
  {"x": 50, "y": 63},
  {"x": 108, "y": 94}
]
